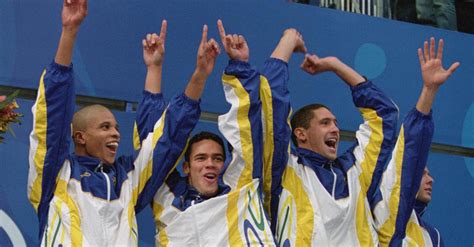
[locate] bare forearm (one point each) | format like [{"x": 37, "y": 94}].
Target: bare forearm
[
  {"x": 153, "y": 79},
  {"x": 425, "y": 101},
  {"x": 284, "y": 49},
  {"x": 346, "y": 73},
  {"x": 196, "y": 85},
  {"x": 66, "y": 46}
]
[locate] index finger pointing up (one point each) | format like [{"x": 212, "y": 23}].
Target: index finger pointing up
[
  {"x": 164, "y": 26},
  {"x": 220, "y": 26},
  {"x": 204, "y": 34}
]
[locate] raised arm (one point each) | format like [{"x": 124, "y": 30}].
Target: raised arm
[
  {"x": 394, "y": 201},
  {"x": 162, "y": 148},
  {"x": 241, "y": 125},
  {"x": 52, "y": 113},
  {"x": 313, "y": 65},
  {"x": 206, "y": 59},
  {"x": 152, "y": 104},
  {"x": 276, "y": 109},
  {"x": 73, "y": 13},
  {"x": 376, "y": 136}
]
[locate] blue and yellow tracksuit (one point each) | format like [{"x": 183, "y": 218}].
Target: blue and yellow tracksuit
[
  {"x": 235, "y": 216},
  {"x": 396, "y": 212},
  {"x": 312, "y": 200},
  {"x": 79, "y": 200}
]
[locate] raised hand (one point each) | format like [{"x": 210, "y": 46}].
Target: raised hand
[
  {"x": 73, "y": 13},
  {"x": 154, "y": 47},
  {"x": 313, "y": 65},
  {"x": 235, "y": 45},
  {"x": 433, "y": 73},
  {"x": 207, "y": 53}
]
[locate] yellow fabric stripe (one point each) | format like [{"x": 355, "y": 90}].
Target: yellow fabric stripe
[
  {"x": 244, "y": 124},
  {"x": 76, "y": 231},
  {"x": 136, "y": 137},
  {"x": 362, "y": 225},
  {"x": 146, "y": 172},
  {"x": 269, "y": 146},
  {"x": 157, "y": 211},
  {"x": 131, "y": 219},
  {"x": 372, "y": 150},
  {"x": 40, "y": 118},
  {"x": 233, "y": 220},
  {"x": 371, "y": 154},
  {"x": 304, "y": 209},
  {"x": 247, "y": 153},
  {"x": 414, "y": 234},
  {"x": 388, "y": 228}
]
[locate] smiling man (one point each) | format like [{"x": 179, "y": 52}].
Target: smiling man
[
  {"x": 90, "y": 197},
  {"x": 314, "y": 196},
  {"x": 204, "y": 160},
  {"x": 211, "y": 206}
]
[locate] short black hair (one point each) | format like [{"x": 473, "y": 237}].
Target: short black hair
[
  {"x": 302, "y": 118},
  {"x": 203, "y": 135}
]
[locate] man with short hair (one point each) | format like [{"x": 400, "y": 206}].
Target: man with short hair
[
  {"x": 90, "y": 197},
  {"x": 315, "y": 197},
  {"x": 210, "y": 206}
]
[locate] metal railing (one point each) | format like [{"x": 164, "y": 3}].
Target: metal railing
[{"x": 379, "y": 8}]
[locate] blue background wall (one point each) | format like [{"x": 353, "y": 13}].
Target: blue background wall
[{"x": 108, "y": 63}]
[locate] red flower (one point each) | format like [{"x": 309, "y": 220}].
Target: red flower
[{"x": 7, "y": 113}]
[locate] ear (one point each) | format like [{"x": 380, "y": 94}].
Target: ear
[
  {"x": 79, "y": 138},
  {"x": 300, "y": 134},
  {"x": 186, "y": 167}
]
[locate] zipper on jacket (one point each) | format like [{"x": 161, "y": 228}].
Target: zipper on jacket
[
  {"x": 334, "y": 182},
  {"x": 108, "y": 181}
]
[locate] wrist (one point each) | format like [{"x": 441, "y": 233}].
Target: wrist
[
  {"x": 199, "y": 74},
  {"x": 70, "y": 30},
  {"x": 154, "y": 67}
]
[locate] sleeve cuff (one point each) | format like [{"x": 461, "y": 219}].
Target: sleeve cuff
[
  {"x": 361, "y": 86},
  {"x": 154, "y": 96},
  {"x": 189, "y": 101},
  {"x": 60, "y": 67},
  {"x": 419, "y": 114}
]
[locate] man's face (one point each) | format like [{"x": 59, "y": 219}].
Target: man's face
[
  {"x": 426, "y": 187},
  {"x": 102, "y": 137},
  {"x": 322, "y": 135},
  {"x": 206, "y": 161}
]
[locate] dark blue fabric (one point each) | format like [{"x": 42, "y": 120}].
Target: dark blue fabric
[
  {"x": 59, "y": 96},
  {"x": 420, "y": 209}
]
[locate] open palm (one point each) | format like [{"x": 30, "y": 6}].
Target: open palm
[{"x": 432, "y": 69}]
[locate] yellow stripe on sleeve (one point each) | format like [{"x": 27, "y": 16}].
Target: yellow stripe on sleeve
[
  {"x": 269, "y": 146},
  {"x": 388, "y": 228},
  {"x": 40, "y": 127},
  {"x": 372, "y": 150},
  {"x": 244, "y": 124}
]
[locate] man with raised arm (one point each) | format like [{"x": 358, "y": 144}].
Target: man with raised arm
[
  {"x": 90, "y": 197},
  {"x": 398, "y": 203},
  {"x": 314, "y": 196},
  {"x": 210, "y": 206}
]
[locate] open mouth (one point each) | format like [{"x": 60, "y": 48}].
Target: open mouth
[
  {"x": 112, "y": 146},
  {"x": 210, "y": 177},
  {"x": 331, "y": 142}
]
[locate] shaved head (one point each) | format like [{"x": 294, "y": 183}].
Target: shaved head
[
  {"x": 95, "y": 132},
  {"x": 86, "y": 115}
]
